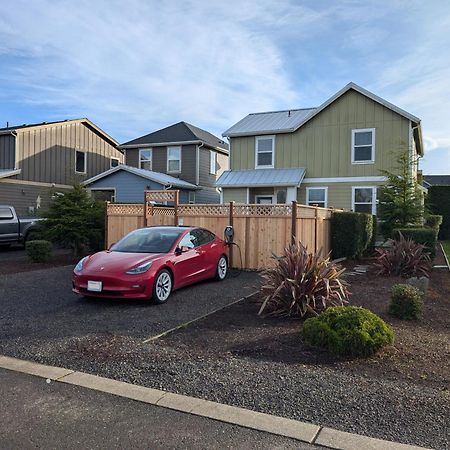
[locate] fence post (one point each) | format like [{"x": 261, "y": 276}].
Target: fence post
[
  {"x": 175, "y": 206},
  {"x": 294, "y": 222},
  {"x": 230, "y": 217},
  {"x": 145, "y": 209},
  {"x": 316, "y": 219},
  {"x": 106, "y": 226}
]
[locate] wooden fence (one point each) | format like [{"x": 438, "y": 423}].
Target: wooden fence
[{"x": 259, "y": 230}]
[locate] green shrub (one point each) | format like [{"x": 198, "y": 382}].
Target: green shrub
[
  {"x": 422, "y": 235},
  {"x": 301, "y": 283},
  {"x": 351, "y": 331},
  {"x": 351, "y": 234},
  {"x": 406, "y": 302},
  {"x": 374, "y": 232},
  {"x": 438, "y": 202},
  {"x": 404, "y": 258},
  {"x": 433, "y": 221},
  {"x": 38, "y": 251}
]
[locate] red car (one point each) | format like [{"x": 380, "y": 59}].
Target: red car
[{"x": 150, "y": 263}]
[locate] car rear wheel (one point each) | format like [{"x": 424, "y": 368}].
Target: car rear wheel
[
  {"x": 162, "y": 287},
  {"x": 222, "y": 268}
]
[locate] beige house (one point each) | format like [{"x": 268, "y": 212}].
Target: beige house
[
  {"x": 328, "y": 156},
  {"x": 40, "y": 159}
]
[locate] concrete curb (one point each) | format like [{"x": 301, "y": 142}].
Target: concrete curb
[{"x": 294, "y": 429}]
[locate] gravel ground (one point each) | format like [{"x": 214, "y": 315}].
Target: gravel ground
[{"x": 224, "y": 358}]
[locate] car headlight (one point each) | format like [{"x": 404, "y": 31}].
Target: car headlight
[
  {"x": 79, "y": 266},
  {"x": 140, "y": 269}
]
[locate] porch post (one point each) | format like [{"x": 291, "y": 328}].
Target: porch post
[{"x": 294, "y": 222}]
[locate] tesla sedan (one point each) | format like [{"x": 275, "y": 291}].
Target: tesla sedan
[{"x": 150, "y": 263}]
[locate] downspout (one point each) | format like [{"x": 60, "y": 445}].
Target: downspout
[{"x": 197, "y": 173}]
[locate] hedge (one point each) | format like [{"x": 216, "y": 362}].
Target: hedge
[
  {"x": 39, "y": 250},
  {"x": 351, "y": 234},
  {"x": 425, "y": 236},
  {"x": 438, "y": 202}
]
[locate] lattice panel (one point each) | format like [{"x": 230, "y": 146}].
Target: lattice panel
[
  {"x": 162, "y": 211},
  {"x": 203, "y": 210},
  {"x": 161, "y": 196},
  {"x": 262, "y": 210},
  {"x": 124, "y": 209}
]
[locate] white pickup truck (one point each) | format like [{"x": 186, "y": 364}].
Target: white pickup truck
[{"x": 13, "y": 229}]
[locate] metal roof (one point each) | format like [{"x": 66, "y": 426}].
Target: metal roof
[
  {"x": 437, "y": 180},
  {"x": 280, "y": 121},
  {"x": 157, "y": 177},
  {"x": 179, "y": 132},
  {"x": 270, "y": 122},
  {"x": 4, "y": 173},
  {"x": 261, "y": 177}
]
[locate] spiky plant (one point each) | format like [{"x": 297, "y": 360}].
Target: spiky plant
[
  {"x": 404, "y": 258},
  {"x": 302, "y": 283}
]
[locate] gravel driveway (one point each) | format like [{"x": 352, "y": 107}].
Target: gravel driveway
[{"x": 39, "y": 310}]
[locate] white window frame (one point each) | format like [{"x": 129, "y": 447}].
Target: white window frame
[
  {"x": 114, "y": 196},
  {"x": 273, "y": 197},
  {"x": 363, "y": 130},
  {"x": 111, "y": 160},
  {"x": 151, "y": 157},
  {"x": 191, "y": 201},
  {"x": 85, "y": 161},
  {"x": 374, "y": 197},
  {"x": 325, "y": 188},
  {"x": 212, "y": 162},
  {"x": 257, "y": 139},
  {"x": 179, "y": 149}
]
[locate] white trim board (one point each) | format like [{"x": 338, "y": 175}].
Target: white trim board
[{"x": 344, "y": 179}]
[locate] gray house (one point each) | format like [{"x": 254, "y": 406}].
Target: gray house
[
  {"x": 126, "y": 184},
  {"x": 37, "y": 160},
  {"x": 183, "y": 152}
]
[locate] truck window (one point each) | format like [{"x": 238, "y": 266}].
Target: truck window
[{"x": 6, "y": 214}]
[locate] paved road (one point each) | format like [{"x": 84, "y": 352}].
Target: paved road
[
  {"x": 37, "y": 415},
  {"x": 38, "y": 309}
]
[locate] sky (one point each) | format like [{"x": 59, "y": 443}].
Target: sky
[{"x": 136, "y": 66}]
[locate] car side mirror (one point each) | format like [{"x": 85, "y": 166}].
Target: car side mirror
[{"x": 182, "y": 249}]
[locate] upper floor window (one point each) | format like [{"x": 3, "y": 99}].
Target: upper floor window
[
  {"x": 212, "y": 162},
  {"x": 265, "y": 151},
  {"x": 317, "y": 196},
  {"x": 80, "y": 161},
  {"x": 363, "y": 146},
  {"x": 364, "y": 199},
  {"x": 114, "y": 162},
  {"x": 145, "y": 158},
  {"x": 173, "y": 159}
]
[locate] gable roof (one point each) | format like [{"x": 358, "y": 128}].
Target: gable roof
[
  {"x": 85, "y": 121},
  {"x": 436, "y": 180},
  {"x": 179, "y": 133},
  {"x": 288, "y": 121},
  {"x": 261, "y": 177},
  {"x": 157, "y": 177}
]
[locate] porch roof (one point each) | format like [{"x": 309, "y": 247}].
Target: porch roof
[{"x": 261, "y": 177}]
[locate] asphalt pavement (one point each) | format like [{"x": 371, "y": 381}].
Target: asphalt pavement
[{"x": 40, "y": 415}]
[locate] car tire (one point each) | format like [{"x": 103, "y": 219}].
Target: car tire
[
  {"x": 162, "y": 287},
  {"x": 222, "y": 268}
]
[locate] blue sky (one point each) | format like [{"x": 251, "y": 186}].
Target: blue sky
[{"x": 133, "y": 67}]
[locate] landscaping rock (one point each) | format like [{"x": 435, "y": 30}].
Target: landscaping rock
[{"x": 420, "y": 283}]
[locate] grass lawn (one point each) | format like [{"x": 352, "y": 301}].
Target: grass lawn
[{"x": 446, "y": 245}]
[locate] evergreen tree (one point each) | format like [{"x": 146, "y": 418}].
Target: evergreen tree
[
  {"x": 75, "y": 220},
  {"x": 400, "y": 199}
]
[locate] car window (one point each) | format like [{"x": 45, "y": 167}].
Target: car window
[
  {"x": 203, "y": 237},
  {"x": 6, "y": 214},
  {"x": 187, "y": 241},
  {"x": 148, "y": 240}
]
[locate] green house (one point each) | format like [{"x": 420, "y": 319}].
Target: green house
[{"x": 329, "y": 156}]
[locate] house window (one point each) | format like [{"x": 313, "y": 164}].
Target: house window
[
  {"x": 265, "y": 151},
  {"x": 363, "y": 146},
  {"x": 145, "y": 158},
  {"x": 191, "y": 197},
  {"x": 114, "y": 162},
  {"x": 173, "y": 159},
  {"x": 364, "y": 199},
  {"x": 212, "y": 162},
  {"x": 80, "y": 161},
  {"x": 264, "y": 199},
  {"x": 317, "y": 196}
]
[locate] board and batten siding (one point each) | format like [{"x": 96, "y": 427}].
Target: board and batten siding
[
  {"x": 47, "y": 153},
  {"x": 7, "y": 151},
  {"x": 238, "y": 195},
  {"x": 323, "y": 145}
]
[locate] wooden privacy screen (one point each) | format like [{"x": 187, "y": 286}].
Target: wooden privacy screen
[{"x": 259, "y": 230}]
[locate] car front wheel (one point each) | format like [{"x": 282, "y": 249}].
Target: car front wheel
[
  {"x": 222, "y": 268},
  {"x": 162, "y": 287}
]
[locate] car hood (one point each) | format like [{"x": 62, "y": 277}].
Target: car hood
[{"x": 107, "y": 261}]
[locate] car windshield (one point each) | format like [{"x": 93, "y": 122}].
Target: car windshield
[{"x": 148, "y": 240}]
